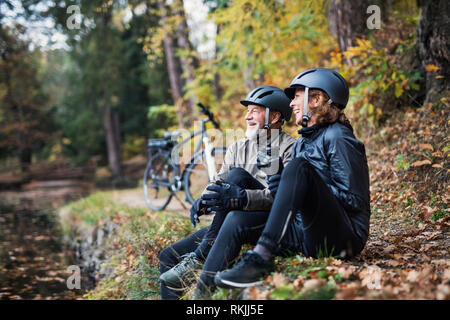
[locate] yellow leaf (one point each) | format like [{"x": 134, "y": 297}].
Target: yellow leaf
[
  {"x": 420, "y": 163},
  {"x": 398, "y": 90},
  {"x": 431, "y": 68}
]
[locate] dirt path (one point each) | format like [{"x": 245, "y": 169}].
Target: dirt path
[{"x": 135, "y": 198}]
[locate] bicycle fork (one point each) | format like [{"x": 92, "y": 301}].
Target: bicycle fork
[{"x": 210, "y": 161}]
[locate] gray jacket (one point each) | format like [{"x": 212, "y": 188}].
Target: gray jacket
[{"x": 243, "y": 154}]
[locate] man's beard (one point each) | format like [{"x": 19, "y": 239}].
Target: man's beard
[{"x": 252, "y": 132}]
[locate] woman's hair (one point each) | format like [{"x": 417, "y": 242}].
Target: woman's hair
[{"x": 328, "y": 113}]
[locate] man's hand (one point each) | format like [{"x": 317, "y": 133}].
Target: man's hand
[
  {"x": 197, "y": 210},
  {"x": 273, "y": 182},
  {"x": 224, "y": 196}
]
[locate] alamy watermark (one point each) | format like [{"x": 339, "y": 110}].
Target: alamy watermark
[
  {"x": 374, "y": 20},
  {"x": 74, "y": 280},
  {"x": 74, "y": 19}
]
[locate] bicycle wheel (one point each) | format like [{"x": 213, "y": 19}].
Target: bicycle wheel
[
  {"x": 196, "y": 175},
  {"x": 159, "y": 177}
]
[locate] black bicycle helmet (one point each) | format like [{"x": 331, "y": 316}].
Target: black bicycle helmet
[
  {"x": 270, "y": 97},
  {"x": 327, "y": 80}
]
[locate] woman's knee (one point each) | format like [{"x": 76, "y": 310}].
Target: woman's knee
[{"x": 294, "y": 166}]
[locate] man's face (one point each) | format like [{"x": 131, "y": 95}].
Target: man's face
[
  {"x": 297, "y": 105},
  {"x": 255, "y": 119}
]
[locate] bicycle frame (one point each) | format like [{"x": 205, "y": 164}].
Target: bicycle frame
[
  {"x": 210, "y": 161},
  {"x": 169, "y": 175}
]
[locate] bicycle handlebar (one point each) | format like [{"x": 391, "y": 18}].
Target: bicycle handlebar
[{"x": 209, "y": 114}]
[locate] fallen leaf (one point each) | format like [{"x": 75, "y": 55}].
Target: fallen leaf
[
  {"x": 311, "y": 284},
  {"x": 347, "y": 292},
  {"x": 443, "y": 292},
  {"x": 393, "y": 263},
  {"x": 254, "y": 293},
  {"x": 278, "y": 280},
  {"x": 420, "y": 163},
  {"x": 426, "y": 146},
  {"x": 371, "y": 277},
  {"x": 413, "y": 276},
  {"x": 389, "y": 249}
]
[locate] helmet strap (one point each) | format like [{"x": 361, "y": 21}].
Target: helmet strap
[
  {"x": 266, "y": 119},
  {"x": 306, "y": 116}
]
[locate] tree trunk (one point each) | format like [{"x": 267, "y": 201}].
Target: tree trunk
[
  {"x": 433, "y": 47},
  {"x": 347, "y": 20},
  {"x": 217, "y": 89},
  {"x": 250, "y": 82},
  {"x": 187, "y": 63},
  {"x": 25, "y": 156},
  {"x": 112, "y": 143},
  {"x": 116, "y": 127},
  {"x": 111, "y": 121},
  {"x": 173, "y": 69}
]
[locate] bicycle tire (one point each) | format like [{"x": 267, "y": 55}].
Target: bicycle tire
[
  {"x": 159, "y": 164},
  {"x": 202, "y": 181}
]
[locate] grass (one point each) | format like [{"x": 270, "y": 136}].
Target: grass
[
  {"x": 133, "y": 250},
  {"x": 134, "y": 247}
]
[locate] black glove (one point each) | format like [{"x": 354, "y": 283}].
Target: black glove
[
  {"x": 197, "y": 210},
  {"x": 224, "y": 197},
  {"x": 273, "y": 182}
]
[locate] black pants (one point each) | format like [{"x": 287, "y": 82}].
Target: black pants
[
  {"x": 302, "y": 196},
  {"x": 202, "y": 240},
  {"x": 305, "y": 217},
  {"x": 243, "y": 179}
]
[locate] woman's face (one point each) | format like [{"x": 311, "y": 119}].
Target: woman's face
[
  {"x": 315, "y": 100},
  {"x": 297, "y": 105}
]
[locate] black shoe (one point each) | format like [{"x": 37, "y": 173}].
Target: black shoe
[{"x": 246, "y": 273}]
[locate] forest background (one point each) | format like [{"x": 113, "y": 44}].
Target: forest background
[
  {"x": 130, "y": 70},
  {"x": 111, "y": 74}
]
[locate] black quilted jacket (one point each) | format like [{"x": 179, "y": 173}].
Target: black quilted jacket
[{"x": 340, "y": 159}]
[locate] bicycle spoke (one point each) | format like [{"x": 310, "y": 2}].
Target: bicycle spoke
[{"x": 158, "y": 179}]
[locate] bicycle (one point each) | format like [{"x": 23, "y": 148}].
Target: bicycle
[{"x": 162, "y": 177}]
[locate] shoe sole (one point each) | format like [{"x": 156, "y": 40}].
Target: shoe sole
[
  {"x": 177, "y": 286},
  {"x": 236, "y": 285},
  {"x": 175, "y": 289}
]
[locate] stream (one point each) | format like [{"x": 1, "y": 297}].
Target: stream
[{"x": 34, "y": 259}]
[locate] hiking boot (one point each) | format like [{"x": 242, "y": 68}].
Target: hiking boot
[
  {"x": 246, "y": 273},
  {"x": 183, "y": 274}
]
